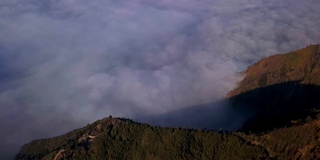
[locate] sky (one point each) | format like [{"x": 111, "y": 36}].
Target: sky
[{"x": 67, "y": 63}]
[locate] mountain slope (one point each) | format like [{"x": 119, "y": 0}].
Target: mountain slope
[
  {"x": 296, "y": 142},
  {"x": 114, "y": 138},
  {"x": 302, "y": 65},
  {"x": 280, "y": 89},
  {"x": 282, "y": 92}
]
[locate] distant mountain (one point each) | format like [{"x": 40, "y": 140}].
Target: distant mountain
[
  {"x": 279, "y": 89},
  {"x": 302, "y": 65},
  {"x": 281, "y": 94}
]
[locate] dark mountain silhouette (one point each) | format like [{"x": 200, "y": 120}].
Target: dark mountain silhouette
[
  {"x": 279, "y": 96},
  {"x": 278, "y": 105}
]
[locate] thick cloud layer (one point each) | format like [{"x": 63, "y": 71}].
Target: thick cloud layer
[{"x": 65, "y": 63}]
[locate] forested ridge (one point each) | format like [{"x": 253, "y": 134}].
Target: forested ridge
[{"x": 283, "y": 91}]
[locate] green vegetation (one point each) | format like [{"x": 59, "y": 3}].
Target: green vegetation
[
  {"x": 282, "y": 90},
  {"x": 124, "y": 139},
  {"x": 297, "y": 142}
]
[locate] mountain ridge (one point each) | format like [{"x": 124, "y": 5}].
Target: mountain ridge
[
  {"x": 301, "y": 65},
  {"x": 280, "y": 88},
  {"x": 283, "y": 92},
  {"x": 118, "y": 138}
]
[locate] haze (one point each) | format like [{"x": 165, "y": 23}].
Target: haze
[{"x": 67, "y": 63}]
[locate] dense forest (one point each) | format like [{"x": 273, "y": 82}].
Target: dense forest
[{"x": 118, "y": 138}]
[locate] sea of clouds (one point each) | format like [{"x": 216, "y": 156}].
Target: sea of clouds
[{"x": 66, "y": 63}]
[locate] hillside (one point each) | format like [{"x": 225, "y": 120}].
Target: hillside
[
  {"x": 115, "y": 138},
  {"x": 281, "y": 92},
  {"x": 300, "y": 141},
  {"x": 279, "y": 89},
  {"x": 302, "y": 65}
]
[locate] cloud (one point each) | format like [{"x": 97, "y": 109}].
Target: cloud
[{"x": 67, "y": 63}]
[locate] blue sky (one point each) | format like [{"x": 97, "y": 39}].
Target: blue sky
[{"x": 66, "y": 63}]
